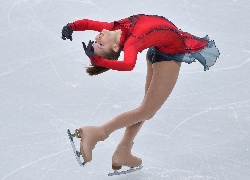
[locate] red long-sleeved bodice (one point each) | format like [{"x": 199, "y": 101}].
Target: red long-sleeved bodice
[{"x": 140, "y": 32}]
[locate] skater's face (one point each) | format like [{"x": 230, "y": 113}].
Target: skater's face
[{"x": 107, "y": 41}]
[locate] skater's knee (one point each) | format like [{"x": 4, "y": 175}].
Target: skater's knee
[
  {"x": 146, "y": 113},
  {"x": 150, "y": 116}
]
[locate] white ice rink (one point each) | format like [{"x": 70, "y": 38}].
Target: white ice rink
[{"x": 201, "y": 133}]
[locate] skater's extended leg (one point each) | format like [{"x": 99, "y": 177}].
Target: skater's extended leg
[{"x": 165, "y": 75}]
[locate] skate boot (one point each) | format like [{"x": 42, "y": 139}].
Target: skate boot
[
  {"x": 89, "y": 135},
  {"x": 123, "y": 157}
]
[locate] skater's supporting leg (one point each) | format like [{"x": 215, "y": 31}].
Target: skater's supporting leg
[
  {"x": 122, "y": 154},
  {"x": 165, "y": 75},
  {"x": 131, "y": 131}
]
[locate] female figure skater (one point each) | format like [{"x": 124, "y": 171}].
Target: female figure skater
[{"x": 168, "y": 48}]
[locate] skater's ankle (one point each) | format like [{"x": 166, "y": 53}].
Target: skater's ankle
[
  {"x": 103, "y": 134},
  {"x": 124, "y": 148},
  {"x": 126, "y": 144},
  {"x": 105, "y": 131}
]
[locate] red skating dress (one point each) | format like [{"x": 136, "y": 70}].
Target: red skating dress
[{"x": 140, "y": 32}]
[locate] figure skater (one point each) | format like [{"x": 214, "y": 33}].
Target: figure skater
[{"x": 167, "y": 46}]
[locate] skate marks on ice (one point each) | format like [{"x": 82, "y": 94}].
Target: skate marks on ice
[
  {"x": 77, "y": 153},
  {"x": 33, "y": 54},
  {"x": 175, "y": 174}
]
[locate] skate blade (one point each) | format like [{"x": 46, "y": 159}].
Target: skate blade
[
  {"x": 77, "y": 153},
  {"x": 132, "y": 169}
]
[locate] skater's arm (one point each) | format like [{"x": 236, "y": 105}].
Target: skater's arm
[
  {"x": 127, "y": 64},
  {"x": 86, "y": 24}
]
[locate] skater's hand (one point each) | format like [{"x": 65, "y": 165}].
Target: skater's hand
[
  {"x": 89, "y": 50},
  {"x": 67, "y": 32}
]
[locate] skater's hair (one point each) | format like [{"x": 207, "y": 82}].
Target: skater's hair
[{"x": 111, "y": 55}]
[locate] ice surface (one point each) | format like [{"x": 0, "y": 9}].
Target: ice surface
[{"x": 201, "y": 132}]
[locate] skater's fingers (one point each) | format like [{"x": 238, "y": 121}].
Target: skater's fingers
[
  {"x": 66, "y": 34},
  {"x": 66, "y": 30},
  {"x": 84, "y": 46},
  {"x": 90, "y": 45},
  {"x": 63, "y": 37}
]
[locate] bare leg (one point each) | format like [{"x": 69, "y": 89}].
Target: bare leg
[
  {"x": 131, "y": 131},
  {"x": 122, "y": 154},
  {"x": 165, "y": 75}
]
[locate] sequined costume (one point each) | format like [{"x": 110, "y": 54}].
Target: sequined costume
[{"x": 140, "y": 32}]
